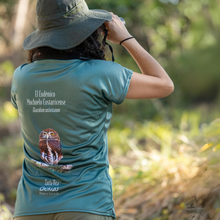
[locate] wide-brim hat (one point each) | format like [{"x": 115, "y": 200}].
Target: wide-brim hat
[{"x": 64, "y": 24}]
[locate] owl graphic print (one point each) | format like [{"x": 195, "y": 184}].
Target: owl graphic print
[
  {"x": 51, "y": 151},
  {"x": 50, "y": 146}
]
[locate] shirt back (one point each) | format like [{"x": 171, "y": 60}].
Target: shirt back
[{"x": 65, "y": 108}]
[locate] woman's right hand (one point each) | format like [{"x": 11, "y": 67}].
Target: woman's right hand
[{"x": 116, "y": 30}]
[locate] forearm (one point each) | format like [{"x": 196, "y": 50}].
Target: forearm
[{"x": 147, "y": 64}]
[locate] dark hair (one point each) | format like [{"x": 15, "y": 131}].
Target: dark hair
[{"x": 90, "y": 48}]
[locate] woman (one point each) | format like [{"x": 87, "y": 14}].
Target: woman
[{"x": 64, "y": 98}]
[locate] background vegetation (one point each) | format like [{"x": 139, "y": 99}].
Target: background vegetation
[{"x": 164, "y": 153}]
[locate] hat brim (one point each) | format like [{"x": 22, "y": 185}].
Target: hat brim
[{"x": 68, "y": 36}]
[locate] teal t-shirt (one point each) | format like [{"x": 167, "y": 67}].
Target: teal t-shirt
[{"x": 65, "y": 108}]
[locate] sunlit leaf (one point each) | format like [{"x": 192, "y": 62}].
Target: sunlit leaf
[
  {"x": 8, "y": 113},
  {"x": 111, "y": 171},
  {"x": 7, "y": 68},
  {"x": 206, "y": 146}
]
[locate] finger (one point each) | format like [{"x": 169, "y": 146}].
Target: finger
[
  {"x": 113, "y": 15},
  {"x": 117, "y": 17},
  {"x": 106, "y": 23}
]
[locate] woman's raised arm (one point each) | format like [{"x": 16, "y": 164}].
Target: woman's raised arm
[{"x": 154, "y": 82}]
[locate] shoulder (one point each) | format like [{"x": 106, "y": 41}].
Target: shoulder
[
  {"x": 103, "y": 63},
  {"x": 20, "y": 68},
  {"x": 107, "y": 67},
  {"x": 18, "y": 71}
]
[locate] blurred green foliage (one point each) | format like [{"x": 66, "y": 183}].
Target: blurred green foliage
[{"x": 7, "y": 112}]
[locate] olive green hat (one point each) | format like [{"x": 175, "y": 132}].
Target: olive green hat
[{"x": 63, "y": 24}]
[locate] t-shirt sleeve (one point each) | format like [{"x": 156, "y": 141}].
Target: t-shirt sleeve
[
  {"x": 116, "y": 81},
  {"x": 14, "y": 92}
]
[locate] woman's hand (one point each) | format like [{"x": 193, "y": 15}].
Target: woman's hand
[{"x": 116, "y": 30}]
